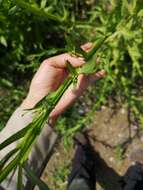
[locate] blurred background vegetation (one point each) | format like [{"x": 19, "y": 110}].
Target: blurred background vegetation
[{"x": 32, "y": 30}]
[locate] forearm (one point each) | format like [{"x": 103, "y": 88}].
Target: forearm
[{"x": 41, "y": 151}]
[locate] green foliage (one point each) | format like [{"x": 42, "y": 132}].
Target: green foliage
[
  {"x": 31, "y": 132},
  {"x": 60, "y": 175}
]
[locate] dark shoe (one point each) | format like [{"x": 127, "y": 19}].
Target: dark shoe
[
  {"x": 133, "y": 179},
  {"x": 83, "y": 167}
]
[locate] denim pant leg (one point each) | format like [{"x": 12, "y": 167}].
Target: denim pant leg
[{"x": 79, "y": 184}]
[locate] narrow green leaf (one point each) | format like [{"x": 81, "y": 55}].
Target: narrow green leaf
[
  {"x": 19, "y": 183},
  {"x": 70, "y": 44},
  {"x": 67, "y": 82},
  {"x": 98, "y": 44},
  {"x": 70, "y": 68},
  {"x": 74, "y": 41},
  {"x": 5, "y": 172},
  {"x": 34, "y": 9},
  {"x": 3, "y": 41},
  {"x": 25, "y": 150},
  {"x": 6, "y": 82},
  {"x": 88, "y": 68},
  {"x": 38, "y": 103},
  {"x": 13, "y": 10},
  {"x": 7, "y": 157},
  {"x": 43, "y": 3},
  {"x": 15, "y": 137},
  {"x": 49, "y": 52},
  {"x": 140, "y": 13},
  {"x": 34, "y": 179},
  {"x": 91, "y": 66}
]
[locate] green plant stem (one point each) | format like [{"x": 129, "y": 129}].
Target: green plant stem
[
  {"x": 31, "y": 137},
  {"x": 7, "y": 157},
  {"x": 20, "y": 177},
  {"x": 37, "y": 124},
  {"x": 99, "y": 43},
  {"x": 62, "y": 89},
  {"x": 37, "y": 11},
  {"x": 15, "y": 137},
  {"x": 6, "y": 171}
]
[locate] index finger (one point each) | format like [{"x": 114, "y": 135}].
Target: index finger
[{"x": 59, "y": 61}]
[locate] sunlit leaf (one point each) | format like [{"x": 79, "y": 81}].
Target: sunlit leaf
[
  {"x": 11, "y": 166},
  {"x": 7, "y": 157},
  {"x": 15, "y": 137},
  {"x": 71, "y": 69}
]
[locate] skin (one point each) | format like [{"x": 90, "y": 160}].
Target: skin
[{"x": 50, "y": 76}]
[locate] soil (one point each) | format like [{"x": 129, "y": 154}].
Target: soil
[{"x": 113, "y": 138}]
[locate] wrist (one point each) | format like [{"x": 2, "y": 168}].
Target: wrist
[
  {"x": 32, "y": 99},
  {"x": 30, "y": 102}
]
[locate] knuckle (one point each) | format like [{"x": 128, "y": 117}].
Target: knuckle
[
  {"x": 66, "y": 55},
  {"x": 45, "y": 62}
]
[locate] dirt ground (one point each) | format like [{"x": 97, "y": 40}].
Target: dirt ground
[{"x": 113, "y": 138}]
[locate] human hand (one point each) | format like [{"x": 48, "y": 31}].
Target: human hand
[{"x": 50, "y": 76}]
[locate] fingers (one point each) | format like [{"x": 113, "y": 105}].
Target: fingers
[
  {"x": 87, "y": 47},
  {"x": 94, "y": 77},
  {"x": 72, "y": 93},
  {"x": 59, "y": 61},
  {"x": 68, "y": 98}
]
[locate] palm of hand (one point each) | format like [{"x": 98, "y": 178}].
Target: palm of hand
[{"x": 50, "y": 76}]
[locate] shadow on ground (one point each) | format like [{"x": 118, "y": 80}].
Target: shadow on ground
[
  {"x": 106, "y": 176},
  {"x": 113, "y": 136}
]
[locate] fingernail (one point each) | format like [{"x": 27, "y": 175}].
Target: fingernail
[
  {"x": 89, "y": 44},
  {"x": 81, "y": 59},
  {"x": 104, "y": 72}
]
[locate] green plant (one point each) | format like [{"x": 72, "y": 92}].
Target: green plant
[
  {"x": 42, "y": 110},
  {"x": 120, "y": 54},
  {"x": 60, "y": 175}
]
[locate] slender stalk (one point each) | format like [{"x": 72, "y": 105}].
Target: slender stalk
[
  {"x": 37, "y": 11},
  {"x": 62, "y": 89},
  {"x": 95, "y": 48},
  {"x": 20, "y": 176},
  {"x": 7, "y": 157},
  {"x": 15, "y": 137},
  {"x": 30, "y": 134},
  {"x": 6, "y": 171},
  {"x": 31, "y": 139}
]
